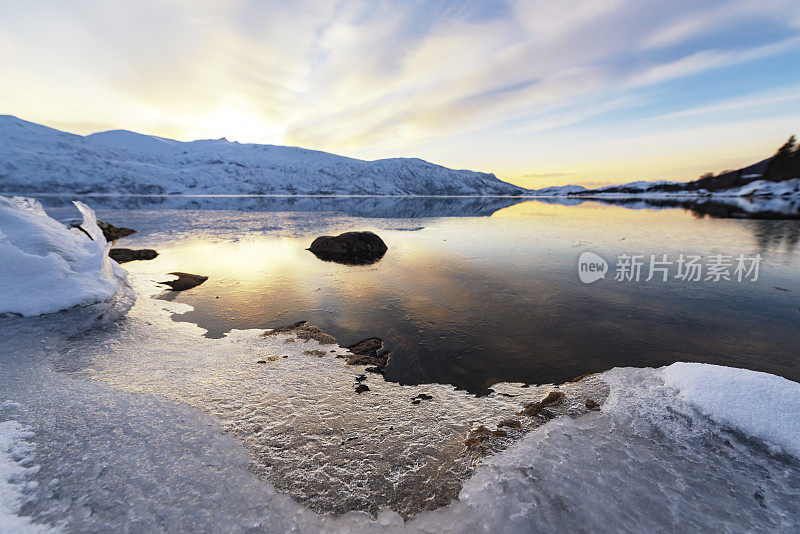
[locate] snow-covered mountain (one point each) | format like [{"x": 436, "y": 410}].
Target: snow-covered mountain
[{"x": 38, "y": 159}]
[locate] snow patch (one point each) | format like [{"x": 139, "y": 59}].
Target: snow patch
[
  {"x": 759, "y": 404},
  {"x": 48, "y": 267}
]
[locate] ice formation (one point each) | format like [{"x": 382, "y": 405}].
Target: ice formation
[{"x": 47, "y": 267}]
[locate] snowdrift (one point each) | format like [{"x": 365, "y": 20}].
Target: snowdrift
[{"x": 47, "y": 267}]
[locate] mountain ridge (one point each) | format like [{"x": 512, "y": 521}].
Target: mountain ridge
[{"x": 39, "y": 159}]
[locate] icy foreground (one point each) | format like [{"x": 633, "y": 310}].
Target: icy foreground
[
  {"x": 37, "y": 159},
  {"x": 109, "y": 448},
  {"x": 47, "y": 267}
]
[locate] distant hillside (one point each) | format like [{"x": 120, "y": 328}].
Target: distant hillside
[
  {"x": 38, "y": 159},
  {"x": 783, "y": 167}
]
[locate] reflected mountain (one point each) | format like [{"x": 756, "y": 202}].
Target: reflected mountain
[
  {"x": 718, "y": 207},
  {"x": 379, "y": 207}
]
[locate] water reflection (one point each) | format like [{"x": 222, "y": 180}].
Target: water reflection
[
  {"x": 349, "y": 260},
  {"x": 372, "y": 207},
  {"x": 471, "y": 301},
  {"x": 718, "y": 207}
]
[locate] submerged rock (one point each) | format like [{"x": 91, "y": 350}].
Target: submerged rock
[
  {"x": 480, "y": 438},
  {"x": 123, "y": 255},
  {"x": 361, "y": 388},
  {"x": 185, "y": 281},
  {"x": 303, "y": 331},
  {"x": 538, "y": 408},
  {"x": 592, "y": 405},
  {"x": 317, "y": 353},
  {"x": 349, "y": 248},
  {"x": 510, "y": 423}
]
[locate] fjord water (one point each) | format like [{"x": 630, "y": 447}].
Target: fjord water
[{"x": 473, "y": 292}]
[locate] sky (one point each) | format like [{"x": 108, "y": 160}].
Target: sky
[{"x": 541, "y": 93}]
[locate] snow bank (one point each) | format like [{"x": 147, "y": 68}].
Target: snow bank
[
  {"x": 47, "y": 267},
  {"x": 759, "y": 404}
]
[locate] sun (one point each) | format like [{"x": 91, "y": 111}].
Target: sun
[{"x": 236, "y": 123}]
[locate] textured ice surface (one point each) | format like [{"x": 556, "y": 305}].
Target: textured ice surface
[
  {"x": 47, "y": 267},
  {"x": 650, "y": 462},
  {"x": 308, "y": 430},
  {"x": 116, "y": 425},
  {"x": 16, "y": 470},
  {"x": 758, "y": 404}
]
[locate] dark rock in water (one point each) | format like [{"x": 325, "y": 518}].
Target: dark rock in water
[
  {"x": 185, "y": 281},
  {"x": 317, "y": 353},
  {"x": 366, "y": 352},
  {"x": 421, "y": 397},
  {"x": 592, "y": 405},
  {"x": 361, "y": 388},
  {"x": 349, "y": 248},
  {"x": 361, "y": 378},
  {"x": 122, "y": 255},
  {"x": 537, "y": 408},
  {"x": 112, "y": 233},
  {"x": 303, "y": 331},
  {"x": 373, "y": 369},
  {"x": 261, "y": 361}
]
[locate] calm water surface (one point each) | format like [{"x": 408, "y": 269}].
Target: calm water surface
[{"x": 477, "y": 291}]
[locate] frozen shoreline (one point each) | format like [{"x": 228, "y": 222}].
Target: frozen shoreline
[
  {"x": 524, "y": 487},
  {"x": 145, "y": 411}
]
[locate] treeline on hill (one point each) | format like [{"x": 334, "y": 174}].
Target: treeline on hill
[{"x": 784, "y": 165}]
